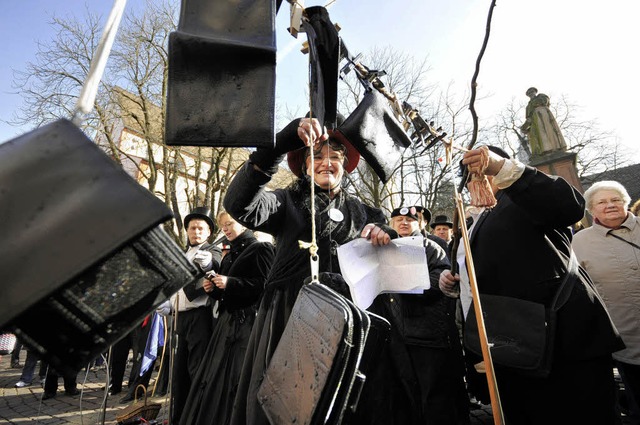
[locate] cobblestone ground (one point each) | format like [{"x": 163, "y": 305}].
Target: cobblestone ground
[
  {"x": 92, "y": 406},
  {"x": 24, "y": 405}
]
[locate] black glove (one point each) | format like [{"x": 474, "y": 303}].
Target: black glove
[
  {"x": 388, "y": 230},
  {"x": 286, "y": 140}
]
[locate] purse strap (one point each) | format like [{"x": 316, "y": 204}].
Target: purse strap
[
  {"x": 623, "y": 240},
  {"x": 572, "y": 268},
  {"x": 84, "y": 105}
]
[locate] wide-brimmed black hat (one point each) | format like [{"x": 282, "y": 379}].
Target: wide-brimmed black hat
[
  {"x": 202, "y": 213},
  {"x": 441, "y": 219},
  {"x": 426, "y": 213},
  {"x": 410, "y": 212}
]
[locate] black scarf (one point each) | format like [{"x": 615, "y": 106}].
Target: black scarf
[
  {"x": 237, "y": 246},
  {"x": 340, "y": 231}
]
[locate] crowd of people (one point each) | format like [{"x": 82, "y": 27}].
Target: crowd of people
[{"x": 228, "y": 324}]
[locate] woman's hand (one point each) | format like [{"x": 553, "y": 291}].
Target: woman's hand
[
  {"x": 220, "y": 281},
  {"x": 207, "y": 285},
  {"x": 375, "y": 234},
  {"x": 311, "y": 131},
  {"x": 449, "y": 284}
]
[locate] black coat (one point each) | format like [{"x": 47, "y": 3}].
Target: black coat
[
  {"x": 285, "y": 214},
  {"x": 513, "y": 258},
  {"x": 213, "y": 390},
  {"x": 401, "y": 389}
]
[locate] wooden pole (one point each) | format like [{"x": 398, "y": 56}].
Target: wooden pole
[{"x": 496, "y": 405}]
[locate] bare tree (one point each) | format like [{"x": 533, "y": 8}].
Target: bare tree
[
  {"x": 132, "y": 96},
  {"x": 50, "y": 85}
]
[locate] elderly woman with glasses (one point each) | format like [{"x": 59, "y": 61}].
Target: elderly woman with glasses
[
  {"x": 286, "y": 214},
  {"x": 610, "y": 251}
]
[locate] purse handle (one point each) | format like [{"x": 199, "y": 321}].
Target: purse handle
[
  {"x": 564, "y": 290},
  {"x": 135, "y": 395},
  {"x": 89, "y": 90},
  {"x": 623, "y": 239}
]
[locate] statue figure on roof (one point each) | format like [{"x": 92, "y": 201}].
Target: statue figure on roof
[{"x": 542, "y": 130}]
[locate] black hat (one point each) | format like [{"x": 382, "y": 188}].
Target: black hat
[
  {"x": 410, "y": 212},
  {"x": 441, "y": 219},
  {"x": 426, "y": 213},
  {"x": 202, "y": 213}
]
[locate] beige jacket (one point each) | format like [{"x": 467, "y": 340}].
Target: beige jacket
[{"x": 614, "y": 267}]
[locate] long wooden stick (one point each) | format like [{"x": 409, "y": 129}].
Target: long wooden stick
[{"x": 496, "y": 405}]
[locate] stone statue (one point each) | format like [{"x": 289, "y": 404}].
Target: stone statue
[{"x": 540, "y": 125}]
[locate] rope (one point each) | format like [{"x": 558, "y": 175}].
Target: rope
[{"x": 313, "y": 245}]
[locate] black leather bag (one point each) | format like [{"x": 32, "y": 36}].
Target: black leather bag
[
  {"x": 376, "y": 133},
  {"x": 324, "y": 57},
  {"x": 520, "y": 333},
  {"x": 314, "y": 375},
  {"x": 221, "y": 81},
  {"x": 82, "y": 257}
]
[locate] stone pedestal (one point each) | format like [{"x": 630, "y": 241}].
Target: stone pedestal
[
  {"x": 563, "y": 164},
  {"x": 558, "y": 163}
]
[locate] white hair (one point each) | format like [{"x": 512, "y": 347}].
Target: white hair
[{"x": 606, "y": 185}]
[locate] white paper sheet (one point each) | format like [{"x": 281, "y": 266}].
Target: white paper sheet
[{"x": 400, "y": 266}]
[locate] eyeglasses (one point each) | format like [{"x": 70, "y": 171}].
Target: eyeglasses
[{"x": 605, "y": 202}]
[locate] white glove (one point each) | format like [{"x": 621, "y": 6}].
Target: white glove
[
  {"x": 164, "y": 309},
  {"x": 203, "y": 259}
]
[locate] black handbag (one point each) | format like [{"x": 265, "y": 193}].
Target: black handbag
[
  {"x": 314, "y": 376},
  {"x": 222, "y": 74},
  {"x": 520, "y": 333},
  {"x": 376, "y": 133},
  {"x": 83, "y": 258}
]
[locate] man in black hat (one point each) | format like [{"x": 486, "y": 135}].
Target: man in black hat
[
  {"x": 442, "y": 227},
  {"x": 195, "y": 315},
  {"x": 424, "y": 218}
]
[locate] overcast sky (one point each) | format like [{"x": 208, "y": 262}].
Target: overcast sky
[{"x": 582, "y": 49}]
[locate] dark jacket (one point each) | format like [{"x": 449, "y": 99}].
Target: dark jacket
[
  {"x": 246, "y": 265},
  {"x": 422, "y": 319},
  {"x": 285, "y": 214},
  {"x": 513, "y": 258},
  {"x": 213, "y": 389}
]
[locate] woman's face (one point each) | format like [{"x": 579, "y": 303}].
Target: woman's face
[
  {"x": 327, "y": 167},
  {"x": 404, "y": 225},
  {"x": 608, "y": 207},
  {"x": 230, "y": 227}
]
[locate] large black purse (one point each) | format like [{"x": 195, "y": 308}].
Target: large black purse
[
  {"x": 319, "y": 366},
  {"x": 83, "y": 256},
  {"x": 520, "y": 333}
]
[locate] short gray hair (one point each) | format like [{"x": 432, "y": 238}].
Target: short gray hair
[{"x": 606, "y": 185}]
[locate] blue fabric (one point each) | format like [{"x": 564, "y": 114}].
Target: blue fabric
[{"x": 155, "y": 340}]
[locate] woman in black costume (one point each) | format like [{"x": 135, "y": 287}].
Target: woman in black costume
[{"x": 237, "y": 287}]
